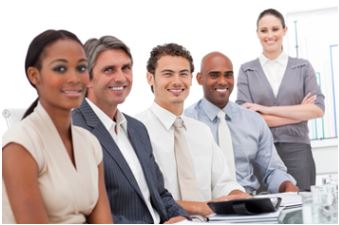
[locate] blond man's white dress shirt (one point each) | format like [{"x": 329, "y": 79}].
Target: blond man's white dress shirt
[{"x": 211, "y": 170}]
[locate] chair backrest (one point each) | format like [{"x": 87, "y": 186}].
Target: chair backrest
[{"x": 12, "y": 116}]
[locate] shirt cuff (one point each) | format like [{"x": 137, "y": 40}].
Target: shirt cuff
[{"x": 277, "y": 179}]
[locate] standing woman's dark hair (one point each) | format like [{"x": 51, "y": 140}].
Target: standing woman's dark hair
[
  {"x": 272, "y": 12},
  {"x": 36, "y": 50}
]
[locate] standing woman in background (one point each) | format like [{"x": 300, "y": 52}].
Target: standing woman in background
[
  {"x": 52, "y": 171},
  {"x": 285, "y": 92}
]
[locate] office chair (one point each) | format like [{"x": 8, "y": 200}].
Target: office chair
[{"x": 12, "y": 116}]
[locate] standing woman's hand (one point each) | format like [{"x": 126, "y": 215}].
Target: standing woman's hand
[
  {"x": 256, "y": 107},
  {"x": 309, "y": 99}
]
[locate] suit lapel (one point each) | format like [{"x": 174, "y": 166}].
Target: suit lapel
[
  {"x": 138, "y": 145},
  {"x": 109, "y": 145}
]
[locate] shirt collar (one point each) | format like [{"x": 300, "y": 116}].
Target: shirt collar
[
  {"x": 212, "y": 110},
  {"x": 121, "y": 120},
  {"x": 281, "y": 59},
  {"x": 106, "y": 120},
  {"x": 165, "y": 117},
  {"x": 263, "y": 59}
]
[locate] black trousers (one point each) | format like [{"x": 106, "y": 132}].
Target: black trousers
[{"x": 299, "y": 161}]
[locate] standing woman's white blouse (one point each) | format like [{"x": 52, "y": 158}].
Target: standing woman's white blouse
[
  {"x": 69, "y": 193},
  {"x": 274, "y": 70}
]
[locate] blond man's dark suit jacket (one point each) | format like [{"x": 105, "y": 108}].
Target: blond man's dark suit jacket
[{"x": 126, "y": 200}]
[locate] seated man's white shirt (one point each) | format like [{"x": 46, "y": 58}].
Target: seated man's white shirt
[
  {"x": 118, "y": 130},
  {"x": 210, "y": 167}
]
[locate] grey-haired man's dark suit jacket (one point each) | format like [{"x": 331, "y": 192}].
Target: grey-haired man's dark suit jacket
[{"x": 126, "y": 200}]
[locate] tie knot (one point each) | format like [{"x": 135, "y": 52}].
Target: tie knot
[
  {"x": 221, "y": 115},
  {"x": 178, "y": 123}
]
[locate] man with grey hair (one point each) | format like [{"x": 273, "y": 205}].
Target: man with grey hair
[{"x": 134, "y": 183}]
